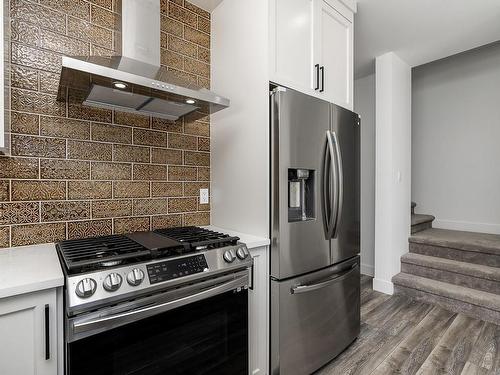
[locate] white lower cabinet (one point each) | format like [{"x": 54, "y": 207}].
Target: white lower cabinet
[
  {"x": 258, "y": 310},
  {"x": 29, "y": 334}
]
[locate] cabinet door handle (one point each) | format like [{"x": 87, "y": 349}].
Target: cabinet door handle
[
  {"x": 317, "y": 76},
  {"x": 47, "y": 333},
  {"x": 322, "y": 79},
  {"x": 252, "y": 278}
]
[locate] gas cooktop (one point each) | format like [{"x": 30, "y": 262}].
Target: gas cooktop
[
  {"x": 105, "y": 270},
  {"x": 91, "y": 254}
]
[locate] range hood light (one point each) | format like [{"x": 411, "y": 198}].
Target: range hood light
[
  {"x": 190, "y": 101},
  {"x": 120, "y": 85}
]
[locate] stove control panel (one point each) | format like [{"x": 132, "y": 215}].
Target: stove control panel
[{"x": 172, "y": 269}]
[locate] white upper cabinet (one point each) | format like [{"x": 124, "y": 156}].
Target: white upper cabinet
[
  {"x": 311, "y": 47},
  {"x": 291, "y": 42},
  {"x": 334, "y": 37}
]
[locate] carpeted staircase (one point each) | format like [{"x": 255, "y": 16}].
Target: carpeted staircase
[
  {"x": 459, "y": 271},
  {"x": 420, "y": 222}
]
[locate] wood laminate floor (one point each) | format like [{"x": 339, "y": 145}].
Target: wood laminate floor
[{"x": 403, "y": 336}]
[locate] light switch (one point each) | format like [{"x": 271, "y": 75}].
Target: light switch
[{"x": 204, "y": 196}]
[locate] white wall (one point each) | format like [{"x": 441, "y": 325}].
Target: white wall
[
  {"x": 240, "y": 133},
  {"x": 456, "y": 140},
  {"x": 392, "y": 167},
  {"x": 364, "y": 105}
]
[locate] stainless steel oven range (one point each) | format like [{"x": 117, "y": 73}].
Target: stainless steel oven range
[{"x": 172, "y": 301}]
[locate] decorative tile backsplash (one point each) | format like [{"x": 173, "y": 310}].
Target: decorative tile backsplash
[{"x": 76, "y": 171}]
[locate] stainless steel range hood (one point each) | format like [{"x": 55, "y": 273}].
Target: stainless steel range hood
[{"x": 135, "y": 81}]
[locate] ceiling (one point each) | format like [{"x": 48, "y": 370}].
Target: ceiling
[{"x": 420, "y": 31}]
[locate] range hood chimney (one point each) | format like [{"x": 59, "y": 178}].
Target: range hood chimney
[{"x": 135, "y": 81}]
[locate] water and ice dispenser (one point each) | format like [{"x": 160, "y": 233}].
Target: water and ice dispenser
[{"x": 301, "y": 194}]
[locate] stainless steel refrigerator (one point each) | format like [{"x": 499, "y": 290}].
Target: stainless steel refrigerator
[{"x": 315, "y": 273}]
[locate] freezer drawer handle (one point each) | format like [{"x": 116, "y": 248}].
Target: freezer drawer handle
[{"x": 309, "y": 288}]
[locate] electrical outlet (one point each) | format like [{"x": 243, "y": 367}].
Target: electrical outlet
[{"x": 204, "y": 196}]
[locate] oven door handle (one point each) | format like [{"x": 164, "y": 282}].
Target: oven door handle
[{"x": 112, "y": 321}]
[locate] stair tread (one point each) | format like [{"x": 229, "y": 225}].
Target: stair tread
[
  {"x": 460, "y": 293},
  {"x": 464, "y": 268},
  {"x": 470, "y": 241},
  {"x": 421, "y": 218}
]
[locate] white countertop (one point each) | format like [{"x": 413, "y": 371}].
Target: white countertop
[
  {"x": 251, "y": 241},
  {"x": 28, "y": 269},
  {"x": 32, "y": 268}
]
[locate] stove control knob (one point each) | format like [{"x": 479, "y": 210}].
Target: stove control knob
[
  {"x": 135, "y": 277},
  {"x": 112, "y": 282},
  {"x": 241, "y": 253},
  {"x": 86, "y": 287},
  {"x": 228, "y": 256}
]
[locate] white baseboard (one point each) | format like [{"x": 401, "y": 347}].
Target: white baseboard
[
  {"x": 383, "y": 286},
  {"x": 367, "y": 269},
  {"x": 467, "y": 226}
]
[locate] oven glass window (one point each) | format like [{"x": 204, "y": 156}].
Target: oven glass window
[{"x": 205, "y": 337}]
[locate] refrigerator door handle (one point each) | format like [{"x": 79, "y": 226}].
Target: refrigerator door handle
[
  {"x": 322, "y": 284},
  {"x": 325, "y": 187},
  {"x": 340, "y": 184},
  {"x": 331, "y": 205}
]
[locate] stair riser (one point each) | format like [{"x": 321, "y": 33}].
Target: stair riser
[
  {"x": 491, "y": 260},
  {"x": 420, "y": 227},
  {"x": 452, "y": 277},
  {"x": 451, "y": 304}
]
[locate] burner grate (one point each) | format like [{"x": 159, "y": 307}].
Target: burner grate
[
  {"x": 199, "y": 238},
  {"x": 79, "y": 255}
]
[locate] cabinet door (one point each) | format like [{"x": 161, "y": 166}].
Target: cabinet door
[
  {"x": 28, "y": 334},
  {"x": 258, "y": 313},
  {"x": 334, "y": 50},
  {"x": 291, "y": 48}
]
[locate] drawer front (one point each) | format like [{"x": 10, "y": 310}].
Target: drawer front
[{"x": 314, "y": 318}]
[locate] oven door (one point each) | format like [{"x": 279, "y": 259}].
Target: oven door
[{"x": 197, "y": 329}]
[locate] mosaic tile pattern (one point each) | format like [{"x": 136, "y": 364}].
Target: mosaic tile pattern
[
  {"x": 38, "y": 190},
  {"x": 4, "y": 190},
  {"x": 37, "y": 233},
  {"x": 4, "y": 237},
  {"x": 77, "y": 171},
  {"x": 89, "y": 189},
  {"x": 91, "y": 228},
  {"x": 131, "y": 224}
]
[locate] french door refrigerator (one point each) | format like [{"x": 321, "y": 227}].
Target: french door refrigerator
[{"x": 315, "y": 273}]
